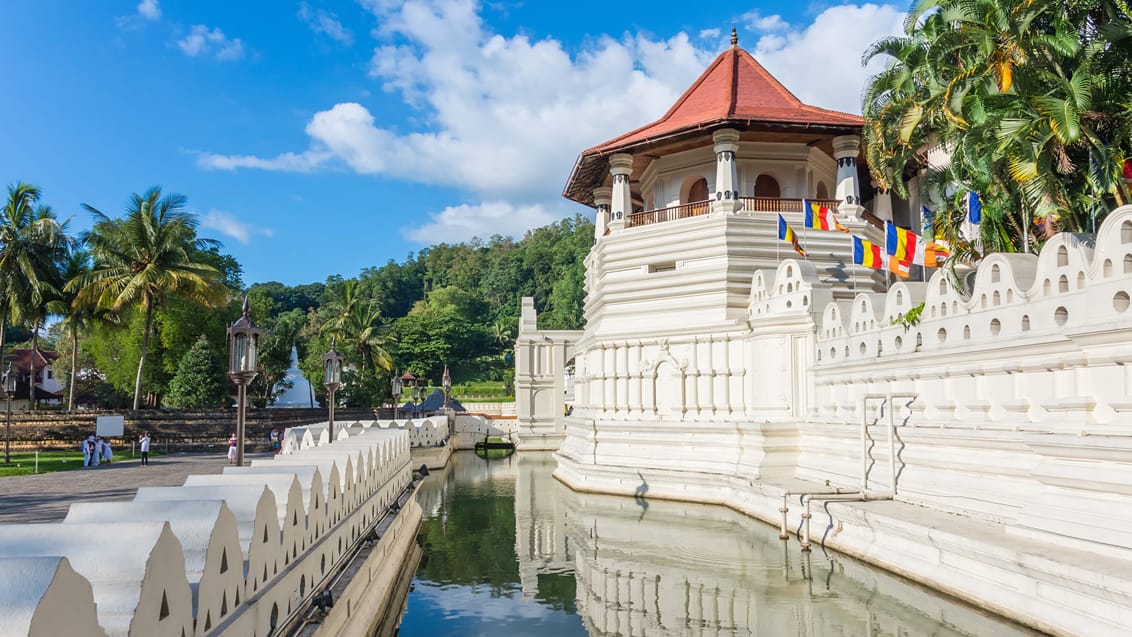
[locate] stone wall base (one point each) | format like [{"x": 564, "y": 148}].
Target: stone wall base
[{"x": 1033, "y": 580}]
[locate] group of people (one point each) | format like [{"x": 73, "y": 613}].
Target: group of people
[{"x": 96, "y": 450}]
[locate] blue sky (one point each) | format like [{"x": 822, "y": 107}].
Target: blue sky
[{"x": 319, "y": 138}]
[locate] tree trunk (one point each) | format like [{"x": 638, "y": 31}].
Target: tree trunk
[
  {"x": 74, "y": 362},
  {"x": 3, "y": 333},
  {"x": 31, "y": 377},
  {"x": 141, "y": 360}
]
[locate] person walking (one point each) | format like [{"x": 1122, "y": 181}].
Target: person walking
[
  {"x": 86, "y": 453},
  {"x": 232, "y": 442},
  {"x": 107, "y": 453},
  {"x": 143, "y": 445}
]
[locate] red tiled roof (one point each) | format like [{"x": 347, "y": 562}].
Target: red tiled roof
[
  {"x": 21, "y": 358},
  {"x": 734, "y": 87}
]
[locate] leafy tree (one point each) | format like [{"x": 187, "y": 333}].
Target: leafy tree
[
  {"x": 31, "y": 243},
  {"x": 200, "y": 380},
  {"x": 1027, "y": 98},
  {"x": 143, "y": 258}
]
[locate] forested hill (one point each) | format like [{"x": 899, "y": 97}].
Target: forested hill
[{"x": 446, "y": 304}]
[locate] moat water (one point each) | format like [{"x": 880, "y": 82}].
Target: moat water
[{"x": 508, "y": 550}]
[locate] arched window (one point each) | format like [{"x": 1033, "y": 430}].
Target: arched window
[
  {"x": 698, "y": 191},
  {"x": 822, "y": 192},
  {"x": 767, "y": 186}
]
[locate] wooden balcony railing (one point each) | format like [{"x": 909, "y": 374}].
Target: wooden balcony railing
[
  {"x": 672, "y": 213},
  {"x": 697, "y": 208}
]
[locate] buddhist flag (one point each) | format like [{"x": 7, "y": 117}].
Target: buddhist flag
[
  {"x": 820, "y": 217},
  {"x": 899, "y": 267},
  {"x": 934, "y": 252},
  {"x": 786, "y": 233},
  {"x": 902, "y": 244},
  {"x": 867, "y": 253},
  {"x": 974, "y": 207}
]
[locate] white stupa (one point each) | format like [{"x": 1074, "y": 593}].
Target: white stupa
[{"x": 300, "y": 394}]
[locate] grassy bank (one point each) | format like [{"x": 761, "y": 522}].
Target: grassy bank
[{"x": 23, "y": 462}]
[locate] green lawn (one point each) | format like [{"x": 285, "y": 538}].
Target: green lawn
[{"x": 23, "y": 462}]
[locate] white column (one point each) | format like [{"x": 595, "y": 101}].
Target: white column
[
  {"x": 845, "y": 151},
  {"x": 602, "y": 198},
  {"x": 882, "y": 205},
  {"x": 726, "y": 171},
  {"x": 621, "y": 167}
]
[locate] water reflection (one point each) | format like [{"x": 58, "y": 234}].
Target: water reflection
[{"x": 508, "y": 550}]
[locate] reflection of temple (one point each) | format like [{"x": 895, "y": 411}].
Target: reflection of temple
[
  {"x": 677, "y": 569},
  {"x": 540, "y": 522}
]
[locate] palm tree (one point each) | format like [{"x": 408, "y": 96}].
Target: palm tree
[
  {"x": 31, "y": 242},
  {"x": 142, "y": 258},
  {"x": 77, "y": 316},
  {"x": 1028, "y": 98},
  {"x": 357, "y": 324}
]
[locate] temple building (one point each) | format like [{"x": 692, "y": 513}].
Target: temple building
[{"x": 948, "y": 430}]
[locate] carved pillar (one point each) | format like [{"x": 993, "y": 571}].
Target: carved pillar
[
  {"x": 609, "y": 377},
  {"x": 621, "y": 167},
  {"x": 709, "y": 371},
  {"x": 691, "y": 401},
  {"x": 845, "y": 151},
  {"x": 726, "y": 171},
  {"x": 634, "y": 373},
  {"x": 623, "y": 378},
  {"x": 602, "y": 198}
]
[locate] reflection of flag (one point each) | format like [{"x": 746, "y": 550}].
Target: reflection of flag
[
  {"x": 974, "y": 207},
  {"x": 786, "y": 233},
  {"x": 902, "y": 244},
  {"x": 867, "y": 253},
  {"x": 820, "y": 217}
]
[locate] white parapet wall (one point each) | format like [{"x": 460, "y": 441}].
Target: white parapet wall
[
  {"x": 992, "y": 421},
  {"x": 231, "y": 554}
]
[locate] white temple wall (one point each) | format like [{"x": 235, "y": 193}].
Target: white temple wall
[{"x": 721, "y": 380}]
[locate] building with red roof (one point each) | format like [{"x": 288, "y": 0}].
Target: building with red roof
[{"x": 47, "y": 386}]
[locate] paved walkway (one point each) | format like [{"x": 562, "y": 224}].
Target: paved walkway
[{"x": 45, "y": 497}]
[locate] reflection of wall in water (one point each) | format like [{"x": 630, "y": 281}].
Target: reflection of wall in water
[
  {"x": 541, "y": 542},
  {"x": 677, "y": 569}
]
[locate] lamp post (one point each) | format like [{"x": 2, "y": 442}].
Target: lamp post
[
  {"x": 396, "y": 385},
  {"x": 446, "y": 383},
  {"x": 332, "y": 366},
  {"x": 243, "y": 343},
  {"x": 9, "y": 389}
]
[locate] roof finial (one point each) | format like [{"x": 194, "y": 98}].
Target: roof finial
[
  {"x": 246, "y": 308},
  {"x": 734, "y": 35}
]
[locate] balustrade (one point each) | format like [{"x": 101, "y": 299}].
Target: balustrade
[{"x": 697, "y": 208}]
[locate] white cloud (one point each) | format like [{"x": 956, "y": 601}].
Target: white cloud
[
  {"x": 149, "y": 10},
  {"x": 503, "y": 118},
  {"x": 460, "y": 223},
  {"x": 821, "y": 63},
  {"x": 290, "y": 162},
  {"x": 756, "y": 21},
  {"x": 202, "y": 41},
  {"x": 325, "y": 23},
  {"x": 709, "y": 34},
  {"x": 225, "y": 223}
]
